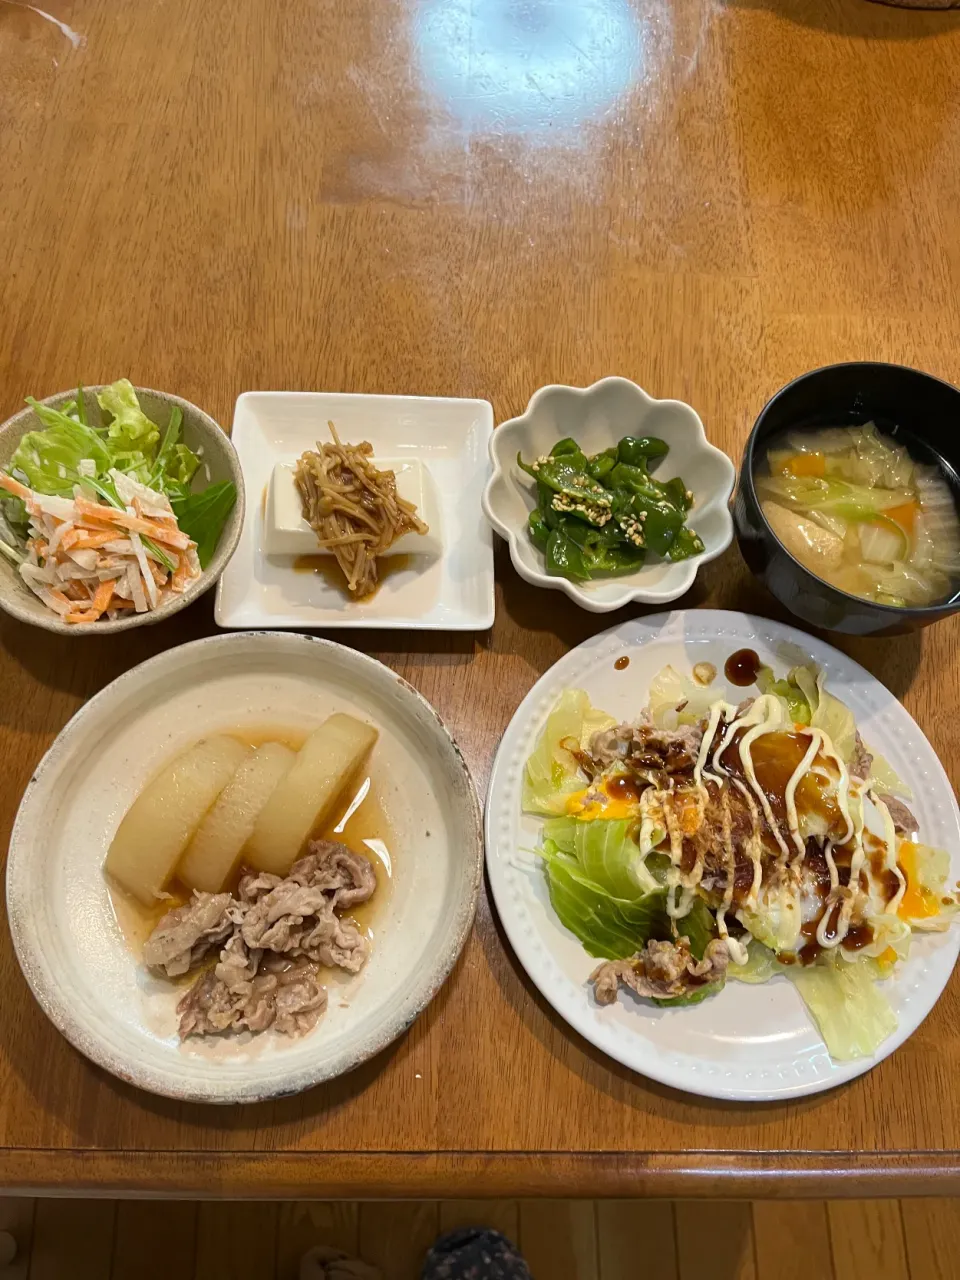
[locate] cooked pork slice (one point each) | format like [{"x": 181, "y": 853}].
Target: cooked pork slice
[
  {"x": 285, "y": 995},
  {"x": 645, "y": 746},
  {"x": 903, "y": 820},
  {"x": 296, "y": 921},
  {"x": 275, "y": 922},
  {"x": 238, "y": 965},
  {"x": 335, "y": 943},
  {"x": 333, "y": 867},
  {"x": 279, "y": 932},
  {"x": 186, "y": 934},
  {"x": 661, "y": 969},
  {"x": 208, "y": 1007},
  {"x": 298, "y": 997},
  {"x": 297, "y": 916},
  {"x": 255, "y": 884},
  {"x": 862, "y": 759}
]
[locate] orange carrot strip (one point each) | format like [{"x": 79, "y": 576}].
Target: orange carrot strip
[
  {"x": 83, "y": 615},
  {"x": 171, "y": 537},
  {"x": 90, "y": 541},
  {"x": 807, "y": 464},
  {"x": 15, "y": 487},
  {"x": 905, "y": 515},
  {"x": 101, "y": 597},
  {"x": 181, "y": 575}
]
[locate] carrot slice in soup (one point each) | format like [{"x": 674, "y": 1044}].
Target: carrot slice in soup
[
  {"x": 807, "y": 464},
  {"x": 905, "y": 515}
]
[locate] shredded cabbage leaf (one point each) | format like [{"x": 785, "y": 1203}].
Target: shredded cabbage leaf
[
  {"x": 836, "y": 719},
  {"x": 761, "y": 965},
  {"x": 883, "y": 777},
  {"x": 927, "y": 903}
]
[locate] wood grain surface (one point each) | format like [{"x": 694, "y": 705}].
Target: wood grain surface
[
  {"x": 560, "y": 1239},
  {"x": 707, "y": 196}
]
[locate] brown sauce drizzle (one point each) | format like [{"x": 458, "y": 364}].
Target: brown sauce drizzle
[
  {"x": 742, "y": 668},
  {"x": 621, "y": 664},
  {"x": 885, "y": 876},
  {"x": 328, "y": 571},
  {"x": 623, "y": 787},
  {"x": 858, "y": 936}
]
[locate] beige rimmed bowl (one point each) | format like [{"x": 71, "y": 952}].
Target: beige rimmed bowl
[
  {"x": 199, "y": 430},
  {"x": 83, "y": 971}
]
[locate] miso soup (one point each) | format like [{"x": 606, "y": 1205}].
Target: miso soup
[{"x": 855, "y": 508}]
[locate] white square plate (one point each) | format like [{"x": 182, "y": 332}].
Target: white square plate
[{"x": 451, "y": 437}]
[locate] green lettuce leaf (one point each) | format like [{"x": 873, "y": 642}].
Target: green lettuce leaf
[
  {"x": 851, "y": 1012},
  {"x": 552, "y": 773},
  {"x": 609, "y": 928},
  {"x": 48, "y": 459},
  {"x": 128, "y": 426},
  {"x": 606, "y": 852},
  {"x": 883, "y": 777},
  {"x": 792, "y": 697}
]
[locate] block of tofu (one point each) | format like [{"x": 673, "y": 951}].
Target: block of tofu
[{"x": 288, "y": 534}]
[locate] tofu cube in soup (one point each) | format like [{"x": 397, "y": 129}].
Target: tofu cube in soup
[
  {"x": 212, "y": 855},
  {"x": 158, "y": 825},
  {"x": 305, "y": 796}
]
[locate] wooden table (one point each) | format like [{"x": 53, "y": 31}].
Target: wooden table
[{"x": 389, "y": 195}]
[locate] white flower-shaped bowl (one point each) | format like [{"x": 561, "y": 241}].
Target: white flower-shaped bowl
[{"x": 597, "y": 417}]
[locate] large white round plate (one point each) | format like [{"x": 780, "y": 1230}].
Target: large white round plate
[
  {"x": 80, "y": 967},
  {"x": 749, "y": 1043}
]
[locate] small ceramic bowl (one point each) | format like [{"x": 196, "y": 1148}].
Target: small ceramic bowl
[
  {"x": 896, "y": 398},
  {"x": 199, "y": 430},
  {"x": 597, "y": 417}
]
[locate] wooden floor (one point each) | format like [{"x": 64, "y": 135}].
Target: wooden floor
[{"x": 562, "y": 1240}]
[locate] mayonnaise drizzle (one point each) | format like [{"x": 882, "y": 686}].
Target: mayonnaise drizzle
[
  {"x": 765, "y": 715},
  {"x": 890, "y": 862},
  {"x": 790, "y": 791}
]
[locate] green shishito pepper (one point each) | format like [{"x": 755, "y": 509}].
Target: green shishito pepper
[
  {"x": 538, "y": 529},
  {"x": 642, "y": 451},
  {"x": 601, "y": 464},
  {"x": 659, "y": 520},
  {"x": 687, "y": 543},
  {"x": 564, "y": 559},
  {"x": 568, "y": 448},
  {"x": 603, "y": 514}
]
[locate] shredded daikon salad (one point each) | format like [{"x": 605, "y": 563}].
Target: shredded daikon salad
[
  {"x": 100, "y": 517},
  {"x": 86, "y": 559}
]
